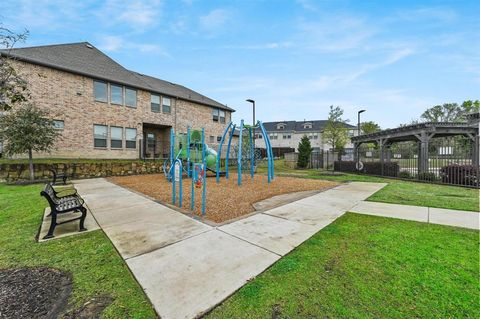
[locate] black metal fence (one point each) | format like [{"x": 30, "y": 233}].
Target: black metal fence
[{"x": 450, "y": 161}]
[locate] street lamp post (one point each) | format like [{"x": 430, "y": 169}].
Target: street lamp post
[
  {"x": 358, "y": 129},
  {"x": 253, "y": 124}
]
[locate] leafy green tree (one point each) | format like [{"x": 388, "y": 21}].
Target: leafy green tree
[
  {"x": 27, "y": 130},
  {"x": 450, "y": 112},
  {"x": 369, "y": 127},
  {"x": 336, "y": 130},
  {"x": 13, "y": 88},
  {"x": 304, "y": 151}
]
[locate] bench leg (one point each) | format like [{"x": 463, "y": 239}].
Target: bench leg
[
  {"x": 82, "y": 218},
  {"x": 53, "y": 224},
  {"x": 64, "y": 180}
]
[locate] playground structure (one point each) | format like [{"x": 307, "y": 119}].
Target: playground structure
[{"x": 192, "y": 157}]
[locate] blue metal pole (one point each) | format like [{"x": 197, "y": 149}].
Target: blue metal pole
[
  {"x": 227, "y": 157},
  {"x": 239, "y": 159},
  {"x": 188, "y": 152},
  {"x": 172, "y": 179},
  {"x": 204, "y": 193},
  {"x": 219, "y": 153},
  {"x": 251, "y": 152},
  {"x": 180, "y": 186},
  {"x": 269, "y": 151},
  {"x": 192, "y": 195}
]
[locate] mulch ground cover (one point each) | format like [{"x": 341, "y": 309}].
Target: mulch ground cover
[
  {"x": 225, "y": 200},
  {"x": 33, "y": 293}
]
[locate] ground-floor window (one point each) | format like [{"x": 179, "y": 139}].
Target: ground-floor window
[
  {"x": 116, "y": 137},
  {"x": 100, "y": 135},
  {"x": 131, "y": 138}
]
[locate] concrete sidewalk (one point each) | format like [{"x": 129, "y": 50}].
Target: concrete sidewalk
[
  {"x": 187, "y": 267},
  {"x": 448, "y": 217}
]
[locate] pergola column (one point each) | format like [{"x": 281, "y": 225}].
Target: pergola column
[
  {"x": 424, "y": 139},
  {"x": 381, "y": 144},
  {"x": 475, "y": 140}
]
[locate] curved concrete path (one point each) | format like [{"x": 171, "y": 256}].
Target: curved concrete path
[{"x": 187, "y": 267}]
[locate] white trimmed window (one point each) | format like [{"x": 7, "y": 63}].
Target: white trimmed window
[
  {"x": 116, "y": 137},
  {"x": 166, "y": 105},
  {"x": 130, "y": 137},
  {"x": 100, "y": 133},
  {"x": 116, "y": 94},
  {"x": 221, "y": 116},
  {"x": 130, "y": 97},
  {"x": 155, "y": 103},
  {"x": 100, "y": 91},
  {"x": 215, "y": 114}
]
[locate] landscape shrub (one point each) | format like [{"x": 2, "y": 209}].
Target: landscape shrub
[
  {"x": 427, "y": 176},
  {"x": 460, "y": 175},
  {"x": 404, "y": 174}
]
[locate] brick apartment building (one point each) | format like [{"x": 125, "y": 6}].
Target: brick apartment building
[{"x": 104, "y": 110}]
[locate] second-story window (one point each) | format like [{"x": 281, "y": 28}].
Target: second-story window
[
  {"x": 166, "y": 105},
  {"x": 130, "y": 97},
  {"x": 221, "y": 116},
  {"x": 215, "y": 114},
  {"x": 100, "y": 91},
  {"x": 116, "y": 94},
  {"x": 155, "y": 103},
  {"x": 116, "y": 137}
]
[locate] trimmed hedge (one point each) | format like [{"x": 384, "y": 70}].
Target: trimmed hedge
[
  {"x": 390, "y": 169},
  {"x": 466, "y": 175}
]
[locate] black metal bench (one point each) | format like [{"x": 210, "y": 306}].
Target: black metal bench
[
  {"x": 58, "y": 176},
  {"x": 63, "y": 204}
]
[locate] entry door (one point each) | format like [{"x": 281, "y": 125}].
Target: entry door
[{"x": 151, "y": 144}]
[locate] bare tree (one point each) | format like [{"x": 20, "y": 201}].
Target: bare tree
[{"x": 13, "y": 88}]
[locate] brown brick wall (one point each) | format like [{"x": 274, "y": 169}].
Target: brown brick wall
[{"x": 69, "y": 97}]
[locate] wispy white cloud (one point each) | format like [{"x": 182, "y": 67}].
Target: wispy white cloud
[
  {"x": 138, "y": 14},
  {"x": 214, "y": 19},
  {"x": 440, "y": 14},
  {"x": 307, "y": 5},
  {"x": 264, "y": 46},
  {"x": 334, "y": 34},
  {"x": 111, "y": 43}
]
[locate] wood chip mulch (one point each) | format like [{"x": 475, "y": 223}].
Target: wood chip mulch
[
  {"x": 225, "y": 200},
  {"x": 32, "y": 293}
]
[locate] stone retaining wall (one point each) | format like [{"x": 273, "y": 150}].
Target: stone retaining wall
[{"x": 12, "y": 173}]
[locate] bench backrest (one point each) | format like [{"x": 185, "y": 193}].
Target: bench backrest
[{"x": 49, "y": 193}]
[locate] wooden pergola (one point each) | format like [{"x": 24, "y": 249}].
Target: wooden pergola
[{"x": 423, "y": 133}]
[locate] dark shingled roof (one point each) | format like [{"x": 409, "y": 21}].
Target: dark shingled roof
[
  {"x": 84, "y": 59},
  {"x": 298, "y": 126}
]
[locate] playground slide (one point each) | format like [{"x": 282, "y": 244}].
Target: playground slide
[{"x": 211, "y": 159}]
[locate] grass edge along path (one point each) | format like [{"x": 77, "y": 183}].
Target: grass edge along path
[
  {"x": 397, "y": 191},
  {"x": 96, "y": 267},
  {"x": 368, "y": 267}
]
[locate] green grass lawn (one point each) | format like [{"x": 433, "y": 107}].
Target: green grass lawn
[
  {"x": 368, "y": 267},
  {"x": 96, "y": 267},
  {"x": 397, "y": 191}
]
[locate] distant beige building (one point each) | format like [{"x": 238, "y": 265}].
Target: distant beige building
[
  {"x": 286, "y": 135},
  {"x": 104, "y": 110}
]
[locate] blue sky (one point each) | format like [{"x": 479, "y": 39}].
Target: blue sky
[{"x": 295, "y": 58}]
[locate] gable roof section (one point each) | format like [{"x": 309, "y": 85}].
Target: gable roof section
[
  {"x": 84, "y": 59},
  {"x": 298, "y": 126}
]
